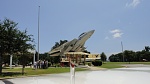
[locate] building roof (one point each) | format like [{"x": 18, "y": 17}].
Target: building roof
[{"x": 81, "y": 53}]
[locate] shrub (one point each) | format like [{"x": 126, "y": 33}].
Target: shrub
[
  {"x": 97, "y": 63},
  {"x": 89, "y": 64},
  {"x": 49, "y": 64}
]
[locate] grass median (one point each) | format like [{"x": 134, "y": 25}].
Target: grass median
[
  {"x": 111, "y": 65},
  {"x": 16, "y": 72}
]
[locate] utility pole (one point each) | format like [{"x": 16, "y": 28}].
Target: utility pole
[
  {"x": 38, "y": 31},
  {"x": 122, "y": 50}
]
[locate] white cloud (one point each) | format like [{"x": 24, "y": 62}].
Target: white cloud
[
  {"x": 133, "y": 4},
  {"x": 116, "y": 33}
]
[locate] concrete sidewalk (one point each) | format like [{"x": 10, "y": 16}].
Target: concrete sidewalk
[{"x": 96, "y": 76}]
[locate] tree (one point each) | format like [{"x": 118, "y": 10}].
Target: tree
[
  {"x": 103, "y": 57},
  {"x": 147, "y": 48},
  {"x": 57, "y": 44},
  {"x": 7, "y": 39},
  {"x": 12, "y": 40},
  {"x": 131, "y": 56},
  {"x": 111, "y": 58},
  {"x": 138, "y": 56},
  {"x": 24, "y": 45}
]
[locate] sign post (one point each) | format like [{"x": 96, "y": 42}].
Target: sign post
[{"x": 72, "y": 72}]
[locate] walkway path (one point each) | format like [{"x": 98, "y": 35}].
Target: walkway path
[
  {"x": 96, "y": 75},
  {"x": 93, "y": 68}
]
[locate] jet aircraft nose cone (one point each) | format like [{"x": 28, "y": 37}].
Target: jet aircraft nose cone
[{"x": 92, "y": 31}]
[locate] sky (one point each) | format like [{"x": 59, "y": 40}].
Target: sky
[{"x": 114, "y": 21}]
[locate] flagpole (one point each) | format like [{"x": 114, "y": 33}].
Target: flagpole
[{"x": 38, "y": 31}]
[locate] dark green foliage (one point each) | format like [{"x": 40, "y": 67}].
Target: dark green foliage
[
  {"x": 47, "y": 57},
  {"x": 147, "y": 48},
  {"x": 57, "y": 44},
  {"x": 12, "y": 40},
  {"x": 44, "y": 56},
  {"x": 56, "y": 59},
  {"x": 97, "y": 63},
  {"x": 103, "y": 57},
  {"x": 131, "y": 56}
]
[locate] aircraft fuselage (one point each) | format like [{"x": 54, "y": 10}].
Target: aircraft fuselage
[{"x": 76, "y": 45}]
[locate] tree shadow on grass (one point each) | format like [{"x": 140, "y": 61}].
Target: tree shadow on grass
[
  {"x": 5, "y": 68},
  {"x": 11, "y": 74}
]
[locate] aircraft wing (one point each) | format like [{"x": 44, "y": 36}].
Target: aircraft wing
[
  {"x": 80, "y": 48},
  {"x": 56, "y": 51},
  {"x": 63, "y": 48}
]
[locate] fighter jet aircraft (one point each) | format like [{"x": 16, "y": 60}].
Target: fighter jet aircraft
[{"x": 75, "y": 45}]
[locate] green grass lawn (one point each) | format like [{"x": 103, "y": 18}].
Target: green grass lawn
[
  {"x": 16, "y": 72},
  {"x": 110, "y": 65}
]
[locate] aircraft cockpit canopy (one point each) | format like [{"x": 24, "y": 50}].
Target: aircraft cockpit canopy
[{"x": 81, "y": 35}]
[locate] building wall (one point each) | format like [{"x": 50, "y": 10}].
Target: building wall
[{"x": 94, "y": 56}]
